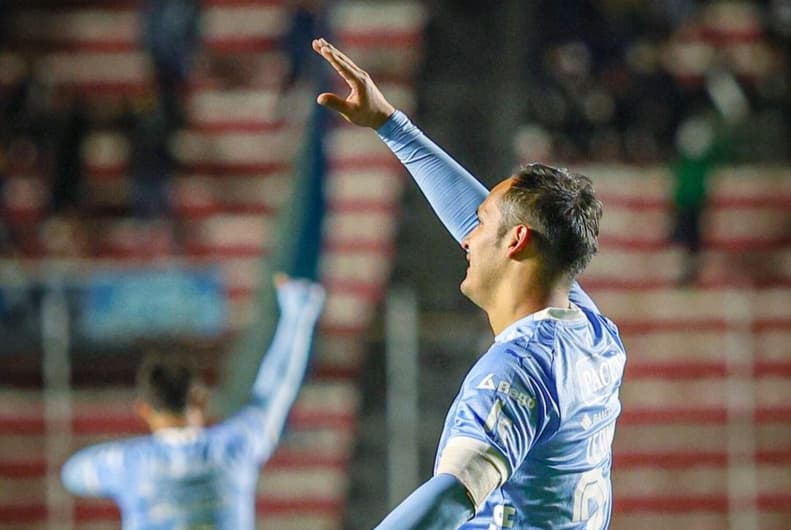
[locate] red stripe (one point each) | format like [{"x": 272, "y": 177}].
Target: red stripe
[
  {"x": 775, "y": 503},
  {"x": 636, "y": 416},
  {"x": 643, "y": 327},
  {"x": 238, "y": 168},
  {"x": 693, "y": 370},
  {"x": 122, "y": 5},
  {"x": 696, "y": 503},
  {"x": 340, "y": 246},
  {"x": 389, "y": 39},
  {"x": 95, "y": 511},
  {"x": 283, "y": 459},
  {"x": 654, "y": 284},
  {"x": 342, "y": 331},
  {"x": 361, "y": 288},
  {"x": 311, "y": 506},
  {"x": 680, "y": 370},
  {"x": 318, "y": 419},
  {"x": 23, "y": 514},
  {"x": 209, "y": 210},
  {"x": 365, "y": 162},
  {"x": 330, "y": 370},
  {"x": 774, "y": 456},
  {"x": 773, "y": 415},
  {"x": 23, "y": 469},
  {"x": 681, "y": 460},
  {"x": 723, "y": 202},
  {"x": 673, "y": 416},
  {"x": 734, "y": 245},
  {"x": 301, "y": 460},
  {"x": 237, "y": 126},
  {"x": 772, "y": 368},
  {"x": 365, "y": 205},
  {"x": 690, "y": 503},
  {"x": 225, "y": 251},
  {"x": 671, "y": 460},
  {"x": 242, "y": 44},
  {"x": 130, "y": 424},
  {"x": 89, "y": 511}
]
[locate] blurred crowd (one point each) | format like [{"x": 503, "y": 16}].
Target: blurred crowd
[
  {"x": 47, "y": 128},
  {"x": 44, "y": 127},
  {"x": 613, "y": 80},
  {"x": 609, "y": 80}
]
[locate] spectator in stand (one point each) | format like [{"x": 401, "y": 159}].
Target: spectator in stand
[
  {"x": 150, "y": 161},
  {"x": 68, "y": 173},
  {"x": 171, "y": 37}
]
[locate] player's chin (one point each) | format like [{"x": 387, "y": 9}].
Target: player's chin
[{"x": 466, "y": 286}]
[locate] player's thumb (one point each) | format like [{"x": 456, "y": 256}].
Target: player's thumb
[{"x": 333, "y": 102}]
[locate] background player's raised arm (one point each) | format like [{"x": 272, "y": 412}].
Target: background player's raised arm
[{"x": 279, "y": 377}]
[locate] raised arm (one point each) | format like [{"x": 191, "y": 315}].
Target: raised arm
[
  {"x": 451, "y": 190},
  {"x": 280, "y": 375}
]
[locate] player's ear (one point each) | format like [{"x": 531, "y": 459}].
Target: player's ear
[{"x": 519, "y": 239}]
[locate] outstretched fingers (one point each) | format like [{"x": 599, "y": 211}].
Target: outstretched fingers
[{"x": 349, "y": 72}]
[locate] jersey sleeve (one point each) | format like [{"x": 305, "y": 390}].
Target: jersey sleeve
[
  {"x": 96, "y": 471},
  {"x": 258, "y": 425},
  {"x": 504, "y": 407},
  {"x": 453, "y": 192}
]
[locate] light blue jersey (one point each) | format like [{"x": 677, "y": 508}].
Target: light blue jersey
[
  {"x": 541, "y": 404},
  {"x": 205, "y": 478},
  {"x": 543, "y": 400}
]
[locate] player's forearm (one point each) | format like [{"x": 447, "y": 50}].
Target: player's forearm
[
  {"x": 439, "y": 504},
  {"x": 280, "y": 376},
  {"x": 287, "y": 355},
  {"x": 452, "y": 191}
]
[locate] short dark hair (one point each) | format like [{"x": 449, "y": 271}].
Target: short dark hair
[
  {"x": 164, "y": 381},
  {"x": 561, "y": 210}
]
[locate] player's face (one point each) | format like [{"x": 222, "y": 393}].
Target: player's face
[{"x": 486, "y": 254}]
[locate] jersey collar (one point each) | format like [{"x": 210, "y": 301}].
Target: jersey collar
[
  {"x": 550, "y": 313},
  {"x": 178, "y": 435}
]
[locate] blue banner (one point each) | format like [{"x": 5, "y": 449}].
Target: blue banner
[{"x": 155, "y": 303}]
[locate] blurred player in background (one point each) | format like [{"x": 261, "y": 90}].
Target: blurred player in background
[
  {"x": 527, "y": 442},
  {"x": 186, "y": 475}
]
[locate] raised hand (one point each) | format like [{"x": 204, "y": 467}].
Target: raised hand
[{"x": 365, "y": 105}]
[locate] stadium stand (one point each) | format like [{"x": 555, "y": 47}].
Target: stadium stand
[
  {"x": 705, "y": 427},
  {"x": 235, "y": 159},
  {"x": 684, "y": 458}
]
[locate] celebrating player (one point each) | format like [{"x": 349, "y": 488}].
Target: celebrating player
[
  {"x": 527, "y": 442},
  {"x": 184, "y": 475}
]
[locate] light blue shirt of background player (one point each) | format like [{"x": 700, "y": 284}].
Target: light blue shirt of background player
[
  {"x": 527, "y": 443},
  {"x": 190, "y": 477}
]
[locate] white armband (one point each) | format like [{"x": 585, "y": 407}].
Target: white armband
[{"x": 477, "y": 465}]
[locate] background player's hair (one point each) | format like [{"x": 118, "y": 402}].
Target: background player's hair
[
  {"x": 164, "y": 381},
  {"x": 562, "y": 211}
]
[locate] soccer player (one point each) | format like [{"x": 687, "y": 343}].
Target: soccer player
[
  {"x": 185, "y": 475},
  {"x": 527, "y": 442}
]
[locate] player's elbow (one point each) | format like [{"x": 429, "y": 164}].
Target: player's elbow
[
  {"x": 68, "y": 477},
  {"x": 75, "y": 479}
]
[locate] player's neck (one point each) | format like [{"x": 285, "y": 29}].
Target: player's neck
[
  {"x": 159, "y": 421},
  {"x": 524, "y": 296}
]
